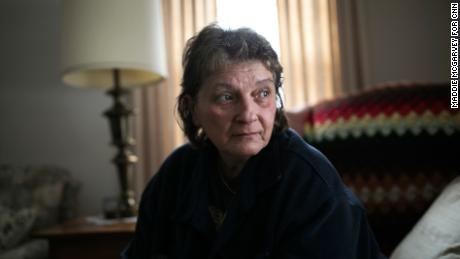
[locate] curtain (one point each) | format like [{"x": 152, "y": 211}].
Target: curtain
[
  {"x": 156, "y": 130},
  {"x": 319, "y": 50}
]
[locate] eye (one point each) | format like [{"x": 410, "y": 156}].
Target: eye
[
  {"x": 264, "y": 93},
  {"x": 224, "y": 98}
]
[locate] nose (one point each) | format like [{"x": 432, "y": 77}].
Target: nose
[{"x": 246, "y": 110}]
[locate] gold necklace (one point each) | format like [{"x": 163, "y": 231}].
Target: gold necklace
[{"x": 226, "y": 184}]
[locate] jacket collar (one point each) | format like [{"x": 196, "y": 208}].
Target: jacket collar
[{"x": 260, "y": 173}]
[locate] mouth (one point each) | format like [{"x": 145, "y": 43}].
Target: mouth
[{"x": 246, "y": 134}]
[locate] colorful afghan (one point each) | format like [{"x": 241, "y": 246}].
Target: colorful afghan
[{"x": 394, "y": 146}]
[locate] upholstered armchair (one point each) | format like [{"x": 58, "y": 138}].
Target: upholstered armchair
[{"x": 33, "y": 197}]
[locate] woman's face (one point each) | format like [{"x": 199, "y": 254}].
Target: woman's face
[{"x": 236, "y": 109}]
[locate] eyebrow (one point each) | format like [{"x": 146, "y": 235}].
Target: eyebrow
[
  {"x": 264, "y": 81},
  {"x": 224, "y": 85}
]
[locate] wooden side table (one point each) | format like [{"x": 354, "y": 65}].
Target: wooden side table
[{"x": 81, "y": 239}]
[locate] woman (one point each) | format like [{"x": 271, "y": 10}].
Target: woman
[{"x": 245, "y": 186}]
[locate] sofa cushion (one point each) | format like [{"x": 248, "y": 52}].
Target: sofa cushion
[
  {"x": 437, "y": 234},
  {"x": 15, "y": 226}
]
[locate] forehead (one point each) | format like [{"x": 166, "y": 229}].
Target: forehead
[{"x": 239, "y": 74}]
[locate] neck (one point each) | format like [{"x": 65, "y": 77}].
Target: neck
[{"x": 229, "y": 168}]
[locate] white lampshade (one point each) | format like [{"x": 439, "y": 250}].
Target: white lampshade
[{"x": 98, "y": 36}]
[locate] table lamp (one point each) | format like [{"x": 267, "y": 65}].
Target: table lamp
[{"x": 114, "y": 45}]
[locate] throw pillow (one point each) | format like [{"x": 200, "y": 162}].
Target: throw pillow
[
  {"x": 14, "y": 226},
  {"x": 437, "y": 234}
]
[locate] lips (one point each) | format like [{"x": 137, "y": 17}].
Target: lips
[{"x": 243, "y": 134}]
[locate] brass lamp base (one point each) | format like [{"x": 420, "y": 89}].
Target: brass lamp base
[{"x": 118, "y": 116}]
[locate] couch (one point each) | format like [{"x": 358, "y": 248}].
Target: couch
[
  {"x": 394, "y": 145},
  {"x": 33, "y": 197}
]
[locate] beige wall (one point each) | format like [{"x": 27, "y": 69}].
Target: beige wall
[
  {"x": 404, "y": 40},
  {"x": 43, "y": 121}
]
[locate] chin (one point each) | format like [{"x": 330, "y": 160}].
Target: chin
[{"x": 249, "y": 150}]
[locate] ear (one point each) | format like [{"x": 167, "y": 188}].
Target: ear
[{"x": 191, "y": 107}]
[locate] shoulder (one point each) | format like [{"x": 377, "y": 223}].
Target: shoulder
[
  {"x": 301, "y": 159},
  {"x": 181, "y": 154},
  {"x": 310, "y": 187},
  {"x": 174, "y": 166},
  {"x": 180, "y": 158},
  {"x": 312, "y": 172}
]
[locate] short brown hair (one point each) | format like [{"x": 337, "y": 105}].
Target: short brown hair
[{"x": 212, "y": 49}]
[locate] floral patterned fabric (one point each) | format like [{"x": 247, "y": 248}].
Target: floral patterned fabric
[
  {"x": 30, "y": 249},
  {"x": 33, "y": 197},
  {"x": 14, "y": 226}
]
